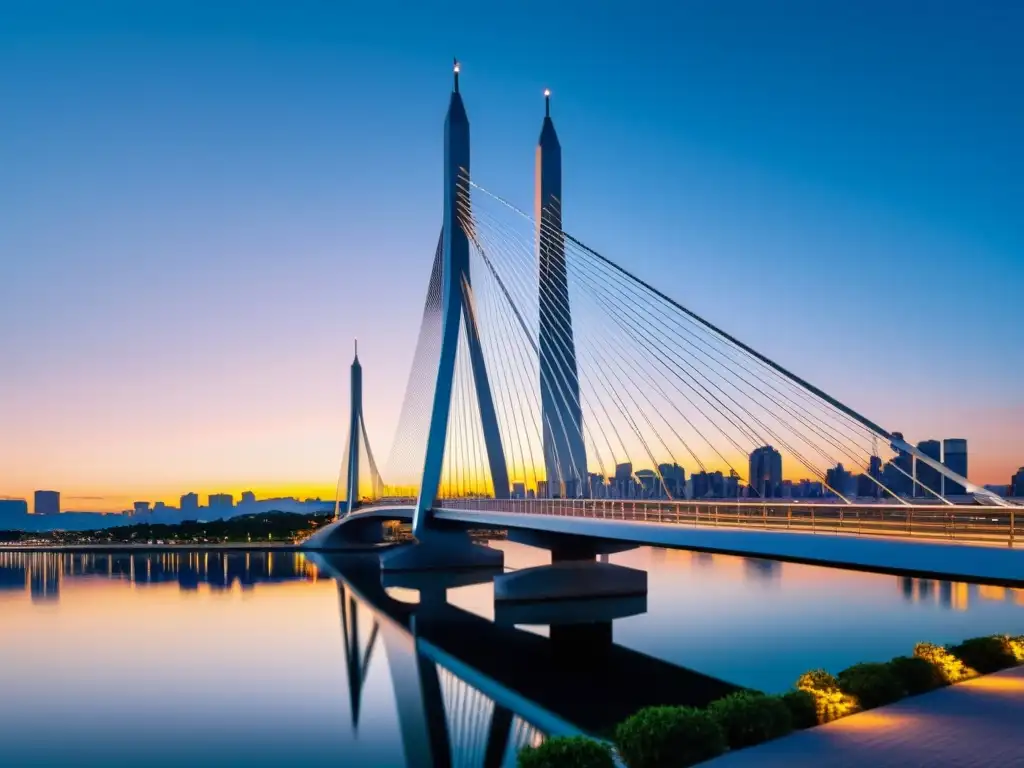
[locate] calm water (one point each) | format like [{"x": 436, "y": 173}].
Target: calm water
[{"x": 265, "y": 659}]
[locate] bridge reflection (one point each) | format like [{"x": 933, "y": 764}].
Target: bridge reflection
[{"x": 471, "y": 691}]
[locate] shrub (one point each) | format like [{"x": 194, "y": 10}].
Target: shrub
[
  {"x": 567, "y": 752},
  {"x": 952, "y": 669},
  {"x": 874, "y": 685},
  {"x": 985, "y": 654},
  {"x": 916, "y": 674},
  {"x": 749, "y": 718},
  {"x": 669, "y": 737},
  {"x": 830, "y": 702},
  {"x": 1016, "y": 645},
  {"x": 802, "y": 706}
]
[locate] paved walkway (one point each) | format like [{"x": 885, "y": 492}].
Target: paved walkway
[{"x": 976, "y": 723}]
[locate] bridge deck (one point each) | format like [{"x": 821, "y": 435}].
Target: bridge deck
[
  {"x": 976, "y": 723},
  {"x": 920, "y": 556}
]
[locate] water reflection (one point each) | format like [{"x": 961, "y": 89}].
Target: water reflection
[
  {"x": 352, "y": 667},
  {"x": 42, "y": 573},
  {"x": 471, "y": 691}
]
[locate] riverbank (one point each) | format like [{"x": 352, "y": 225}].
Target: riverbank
[{"x": 973, "y": 723}]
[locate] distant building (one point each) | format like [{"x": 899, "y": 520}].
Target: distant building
[
  {"x": 47, "y": 503},
  {"x": 248, "y": 497},
  {"x": 765, "y": 476},
  {"x": 12, "y": 511},
  {"x": 159, "y": 506},
  {"x": 954, "y": 456},
  {"x": 898, "y": 474},
  {"x": 623, "y": 487},
  {"x": 220, "y": 500},
  {"x": 1017, "y": 483},
  {"x": 928, "y": 478},
  {"x": 839, "y": 480},
  {"x": 140, "y": 508},
  {"x": 189, "y": 503},
  {"x": 675, "y": 479},
  {"x": 518, "y": 491}
]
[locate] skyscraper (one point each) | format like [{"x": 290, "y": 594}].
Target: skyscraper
[
  {"x": 954, "y": 456},
  {"x": 1017, "y": 483},
  {"x": 928, "y": 477},
  {"x": 221, "y": 500},
  {"x": 47, "y": 503},
  {"x": 565, "y": 457},
  {"x": 248, "y": 497},
  {"x": 189, "y": 503},
  {"x": 765, "y": 475}
]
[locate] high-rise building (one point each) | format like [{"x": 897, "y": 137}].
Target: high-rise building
[
  {"x": 624, "y": 481},
  {"x": 248, "y": 497},
  {"x": 220, "y": 500},
  {"x": 928, "y": 478},
  {"x": 839, "y": 480},
  {"x": 675, "y": 479},
  {"x": 898, "y": 475},
  {"x": 1017, "y": 483},
  {"x": 47, "y": 503},
  {"x": 954, "y": 456},
  {"x": 765, "y": 475},
  {"x": 189, "y": 503},
  {"x": 140, "y": 508}
]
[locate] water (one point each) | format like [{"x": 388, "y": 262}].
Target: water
[{"x": 252, "y": 659}]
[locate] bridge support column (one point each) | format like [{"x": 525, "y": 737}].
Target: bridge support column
[
  {"x": 441, "y": 550},
  {"x": 573, "y": 573}
]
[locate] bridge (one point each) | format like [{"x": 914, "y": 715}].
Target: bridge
[{"x": 558, "y": 396}]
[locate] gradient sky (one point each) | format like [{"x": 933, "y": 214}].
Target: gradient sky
[{"x": 203, "y": 203}]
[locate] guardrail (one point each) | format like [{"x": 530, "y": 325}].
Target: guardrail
[{"x": 967, "y": 523}]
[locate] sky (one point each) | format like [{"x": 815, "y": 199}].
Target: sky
[{"x": 203, "y": 204}]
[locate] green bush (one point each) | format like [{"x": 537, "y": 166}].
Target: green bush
[
  {"x": 1016, "y": 645},
  {"x": 802, "y": 706},
  {"x": 952, "y": 669},
  {"x": 985, "y": 654},
  {"x": 917, "y": 675},
  {"x": 567, "y": 752},
  {"x": 830, "y": 702},
  {"x": 669, "y": 737},
  {"x": 749, "y": 718},
  {"x": 874, "y": 685}
]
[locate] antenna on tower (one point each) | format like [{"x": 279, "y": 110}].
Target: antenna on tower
[
  {"x": 455, "y": 71},
  {"x": 356, "y": 343}
]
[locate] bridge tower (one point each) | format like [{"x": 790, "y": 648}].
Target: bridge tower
[
  {"x": 457, "y": 307},
  {"x": 437, "y": 549},
  {"x": 355, "y": 422},
  {"x": 565, "y": 457}
]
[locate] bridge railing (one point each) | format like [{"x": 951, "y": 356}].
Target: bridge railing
[{"x": 967, "y": 523}]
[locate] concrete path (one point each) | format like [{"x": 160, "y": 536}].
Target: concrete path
[{"x": 976, "y": 723}]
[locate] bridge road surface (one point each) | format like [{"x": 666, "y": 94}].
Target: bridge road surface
[{"x": 975, "y": 724}]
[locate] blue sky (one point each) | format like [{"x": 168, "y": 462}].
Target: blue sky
[{"x": 204, "y": 202}]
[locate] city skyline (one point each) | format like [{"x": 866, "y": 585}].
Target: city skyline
[{"x": 248, "y": 381}]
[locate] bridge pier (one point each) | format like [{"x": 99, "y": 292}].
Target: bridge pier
[
  {"x": 441, "y": 550},
  {"x": 573, "y": 574}
]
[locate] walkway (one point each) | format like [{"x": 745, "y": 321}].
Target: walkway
[{"x": 976, "y": 723}]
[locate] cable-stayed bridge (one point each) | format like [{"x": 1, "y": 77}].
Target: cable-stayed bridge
[{"x": 556, "y": 394}]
